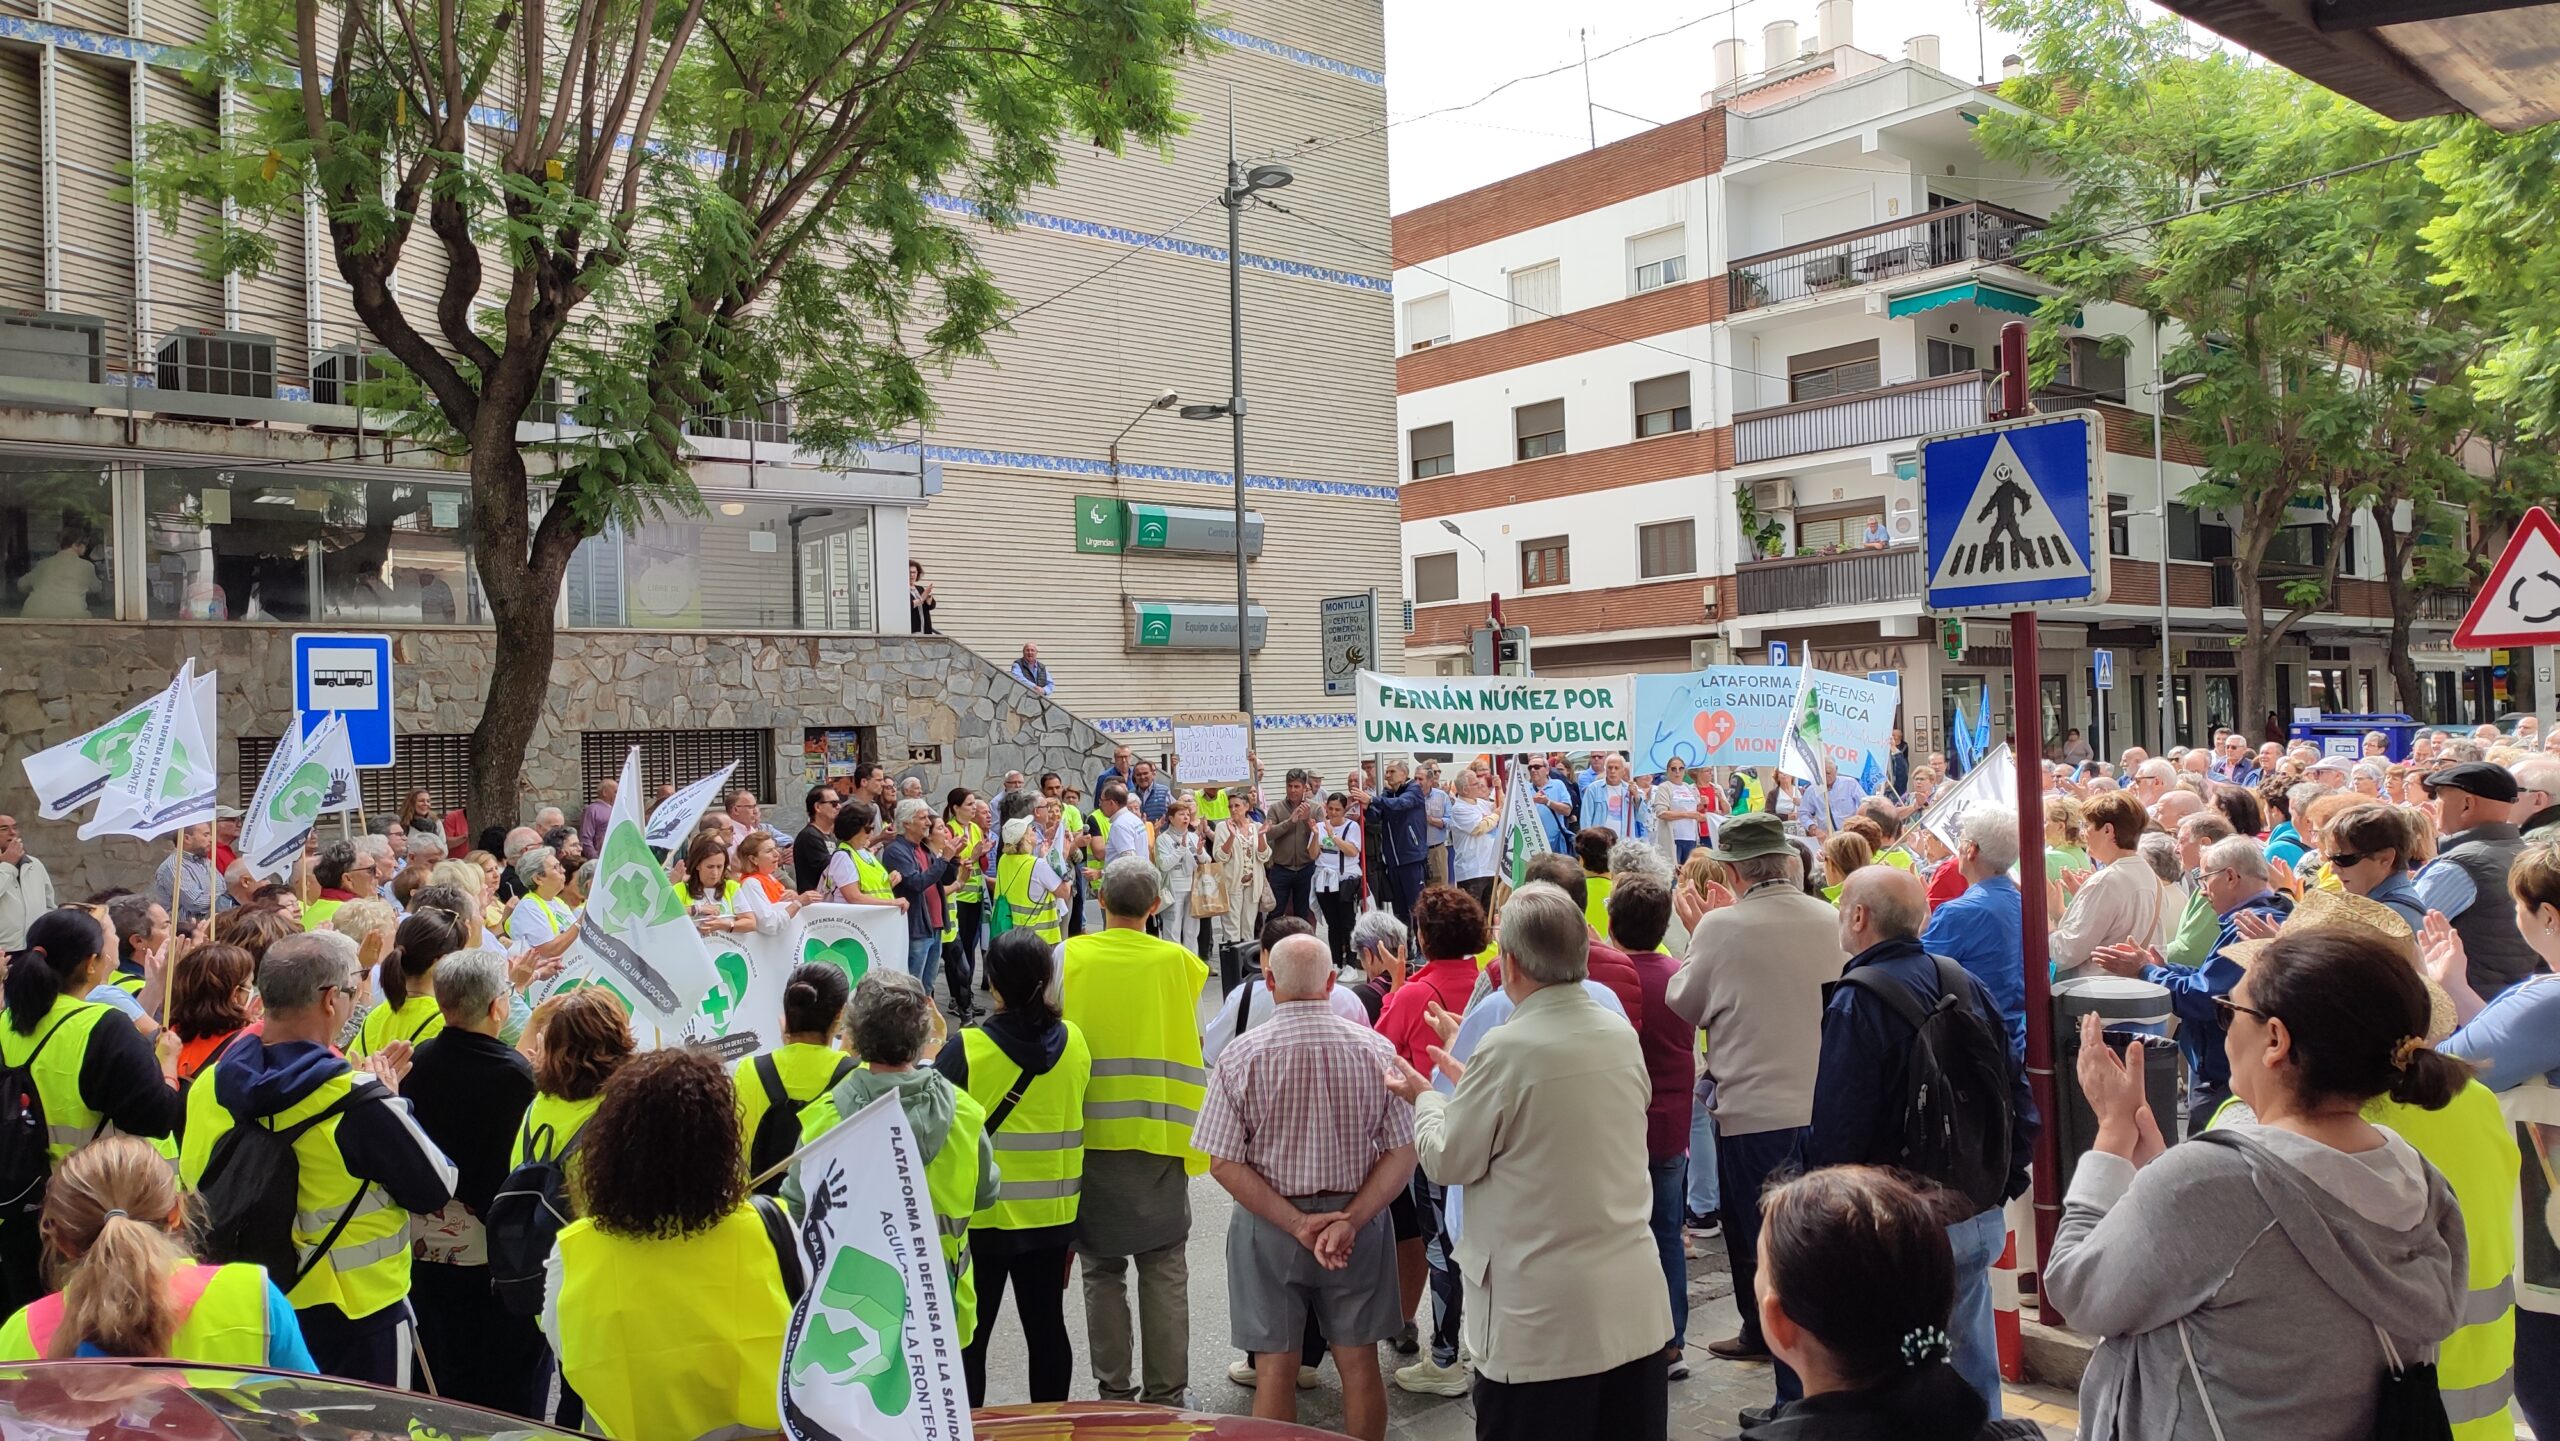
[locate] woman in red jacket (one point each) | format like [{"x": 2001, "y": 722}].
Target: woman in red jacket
[{"x": 1449, "y": 927}]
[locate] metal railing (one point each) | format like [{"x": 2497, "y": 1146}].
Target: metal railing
[
  {"x": 1957, "y": 235},
  {"x": 1866, "y": 417},
  {"x": 1810, "y": 582}
]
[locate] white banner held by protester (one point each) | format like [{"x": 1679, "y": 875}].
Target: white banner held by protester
[
  {"x": 333, "y": 750},
  {"x": 634, "y": 936},
  {"x": 741, "y": 1016},
  {"x": 74, "y": 773},
  {"x": 874, "y": 1347},
  {"x": 1470, "y": 714},
  {"x": 167, "y": 780},
  {"x": 675, "y": 816},
  {"x": 1993, "y": 782},
  {"x": 289, "y": 799}
]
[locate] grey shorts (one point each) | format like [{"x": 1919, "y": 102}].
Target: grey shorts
[{"x": 1273, "y": 1283}]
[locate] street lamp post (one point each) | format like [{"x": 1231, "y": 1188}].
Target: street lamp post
[
  {"x": 1164, "y": 401},
  {"x": 1493, "y": 598},
  {"x": 1242, "y": 185},
  {"x": 2160, "y": 390}
]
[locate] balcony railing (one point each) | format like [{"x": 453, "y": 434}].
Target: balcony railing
[
  {"x": 2442, "y": 604},
  {"x": 1958, "y": 234},
  {"x": 1866, "y": 417},
  {"x": 1857, "y": 577}
]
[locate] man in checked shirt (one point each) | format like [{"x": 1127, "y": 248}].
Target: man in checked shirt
[{"x": 1312, "y": 1148}]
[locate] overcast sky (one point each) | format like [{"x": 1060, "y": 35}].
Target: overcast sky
[{"x": 1444, "y": 52}]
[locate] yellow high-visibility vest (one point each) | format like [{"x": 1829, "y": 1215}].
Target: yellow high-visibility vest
[
  {"x": 1040, "y": 1151},
  {"x": 674, "y": 1340},
  {"x": 416, "y": 1020},
  {"x": 59, "y": 1045},
  {"x": 223, "y": 1311},
  {"x": 951, "y": 1179},
  {"x": 367, "y": 1267},
  {"x": 1135, "y": 998},
  {"x": 1013, "y": 888}
]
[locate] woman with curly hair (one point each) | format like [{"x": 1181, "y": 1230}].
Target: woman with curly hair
[
  {"x": 213, "y": 996},
  {"x": 666, "y": 1300}
]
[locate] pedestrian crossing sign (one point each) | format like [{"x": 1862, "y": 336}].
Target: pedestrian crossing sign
[{"x": 2011, "y": 514}]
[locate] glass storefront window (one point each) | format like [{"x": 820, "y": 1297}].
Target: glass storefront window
[
  {"x": 744, "y": 565},
  {"x": 57, "y": 532},
  {"x": 239, "y": 544}
]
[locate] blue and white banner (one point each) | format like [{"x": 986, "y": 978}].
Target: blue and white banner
[{"x": 1739, "y": 715}]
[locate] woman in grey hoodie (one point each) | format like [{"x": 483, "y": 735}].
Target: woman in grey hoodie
[{"x": 2244, "y": 1282}]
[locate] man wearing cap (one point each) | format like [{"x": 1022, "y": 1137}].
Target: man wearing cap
[
  {"x": 2467, "y": 881},
  {"x": 1753, "y": 981},
  {"x": 226, "y": 836}
]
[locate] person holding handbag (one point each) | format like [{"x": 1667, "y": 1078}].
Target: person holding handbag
[{"x": 2285, "y": 1276}]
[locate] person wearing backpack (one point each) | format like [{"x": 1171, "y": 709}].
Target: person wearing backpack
[
  {"x": 117, "y": 1227},
  {"x": 470, "y": 1090},
  {"x": 1028, "y": 1067},
  {"x": 578, "y": 1040},
  {"x": 68, "y": 1069},
  {"x": 408, "y": 1011},
  {"x": 1916, "y": 1072},
  {"x": 313, "y": 1167},
  {"x": 774, "y": 1087}
]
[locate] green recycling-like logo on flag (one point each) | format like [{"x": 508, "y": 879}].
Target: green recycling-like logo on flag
[
  {"x": 607, "y": 987},
  {"x": 630, "y": 884},
  {"x": 297, "y": 802},
  {"x": 856, "y": 1331},
  {"x": 112, "y": 747},
  {"x": 847, "y": 954},
  {"x": 728, "y": 993}
]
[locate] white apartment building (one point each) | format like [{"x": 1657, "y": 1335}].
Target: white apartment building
[{"x": 1674, "y": 387}]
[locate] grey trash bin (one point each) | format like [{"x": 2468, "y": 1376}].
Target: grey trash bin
[{"x": 2123, "y": 1004}]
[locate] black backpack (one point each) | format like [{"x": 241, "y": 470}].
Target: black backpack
[
  {"x": 26, "y": 1162},
  {"x": 778, "y": 1132},
  {"x": 249, "y": 1191},
  {"x": 525, "y": 1219},
  {"x": 1954, "y": 1086}
]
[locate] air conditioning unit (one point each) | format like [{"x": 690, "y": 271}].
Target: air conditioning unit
[
  {"x": 1702, "y": 654},
  {"x": 1776, "y": 493},
  {"x": 770, "y": 425},
  {"x": 49, "y": 345},
  {"x": 199, "y": 360},
  {"x": 1452, "y": 665},
  {"x": 336, "y": 371},
  {"x": 1902, "y": 513}
]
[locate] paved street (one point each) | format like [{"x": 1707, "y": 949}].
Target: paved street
[{"x": 1701, "y": 1407}]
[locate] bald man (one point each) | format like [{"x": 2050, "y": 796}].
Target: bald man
[
  {"x": 1858, "y": 1107},
  {"x": 2176, "y": 806}
]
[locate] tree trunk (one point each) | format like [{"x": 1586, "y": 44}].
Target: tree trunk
[
  {"x": 521, "y": 578},
  {"x": 2396, "y": 547}
]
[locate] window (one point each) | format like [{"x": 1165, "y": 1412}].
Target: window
[
  {"x": 225, "y": 544},
  {"x": 438, "y": 764},
  {"x": 1667, "y": 548},
  {"x": 1542, "y": 562},
  {"x": 680, "y": 757},
  {"x": 2119, "y": 525},
  {"x": 1840, "y": 370},
  {"x": 1426, "y": 322},
  {"x": 1659, "y": 259},
  {"x": 1949, "y": 357},
  {"x": 1662, "y": 405},
  {"x": 1434, "y": 448},
  {"x": 57, "y": 540},
  {"x": 2089, "y": 368},
  {"x": 744, "y": 565},
  {"x": 1435, "y": 577},
  {"x": 2192, "y": 537},
  {"x": 1539, "y": 429},
  {"x": 1537, "y": 291},
  {"x": 1838, "y": 530}
]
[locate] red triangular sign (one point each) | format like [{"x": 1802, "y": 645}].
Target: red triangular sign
[{"x": 2519, "y": 604}]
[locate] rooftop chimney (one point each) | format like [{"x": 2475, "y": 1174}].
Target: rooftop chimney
[
  {"x": 1778, "y": 42},
  {"x": 1832, "y": 18},
  {"x": 1921, "y": 50},
  {"x": 1728, "y": 61},
  {"x": 2011, "y": 67}
]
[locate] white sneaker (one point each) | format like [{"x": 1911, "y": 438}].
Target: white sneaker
[
  {"x": 1241, "y": 1373},
  {"x": 1429, "y": 1378}
]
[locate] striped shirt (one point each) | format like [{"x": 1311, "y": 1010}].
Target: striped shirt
[{"x": 1301, "y": 1099}]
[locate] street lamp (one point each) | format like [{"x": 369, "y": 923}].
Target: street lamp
[
  {"x": 2160, "y": 390},
  {"x": 1242, "y": 185},
  {"x": 1164, "y": 401},
  {"x": 1492, "y": 597}
]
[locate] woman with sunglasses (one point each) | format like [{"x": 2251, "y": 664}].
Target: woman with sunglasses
[
  {"x": 2365, "y": 847},
  {"x": 2263, "y": 1278}
]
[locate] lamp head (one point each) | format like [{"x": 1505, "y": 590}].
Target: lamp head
[
  {"x": 1163, "y": 401},
  {"x": 1203, "y": 412},
  {"x": 1269, "y": 176},
  {"x": 1450, "y": 526}
]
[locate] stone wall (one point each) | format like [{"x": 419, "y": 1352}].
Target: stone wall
[{"x": 57, "y": 681}]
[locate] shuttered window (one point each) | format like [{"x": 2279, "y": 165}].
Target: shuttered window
[
  {"x": 439, "y": 763},
  {"x": 1435, "y": 577},
  {"x": 1662, "y": 405},
  {"x": 1434, "y": 450},
  {"x": 1658, "y": 259},
  {"x": 679, "y": 758},
  {"x": 1667, "y": 548},
  {"x": 1426, "y": 322},
  {"x": 1537, "y": 291},
  {"x": 1538, "y": 429},
  {"x": 1839, "y": 370}
]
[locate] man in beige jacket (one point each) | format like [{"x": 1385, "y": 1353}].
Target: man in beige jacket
[
  {"x": 1564, "y": 1306},
  {"x": 1753, "y": 981}
]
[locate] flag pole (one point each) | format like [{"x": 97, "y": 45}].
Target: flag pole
[{"x": 177, "y": 881}]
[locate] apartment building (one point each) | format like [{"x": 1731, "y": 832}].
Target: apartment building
[
  {"x": 196, "y": 437},
  {"x": 1665, "y": 398}
]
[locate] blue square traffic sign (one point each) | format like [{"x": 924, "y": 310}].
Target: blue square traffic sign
[
  {"x": 2011, "y": 514},
  {"x": 349, "y": 674}
]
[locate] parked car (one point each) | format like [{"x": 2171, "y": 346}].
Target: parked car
[{"x": 173, "y": 1401}]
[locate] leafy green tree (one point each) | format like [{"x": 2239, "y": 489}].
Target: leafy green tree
[
  {"x": 2306, "y": 308},
  {"x": 674, "y": 206},
  {"x": 2493, "y": 245}
]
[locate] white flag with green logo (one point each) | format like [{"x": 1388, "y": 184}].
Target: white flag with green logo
[
  {"x": 874, "y": 1349},
  {"x": 164, "y": 776},
  {"x": 78, "y": 772},
  {"x": 634, "y": 935},
  {"x": 1524, "y": 835},
  {"x": 291, "y": 796}
]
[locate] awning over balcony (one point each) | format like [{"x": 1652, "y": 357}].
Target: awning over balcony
[{"x": 1989, "y": 297}]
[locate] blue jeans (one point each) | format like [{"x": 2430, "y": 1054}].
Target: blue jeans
[
  {"x": 1702, "y": 1155},
  {"x": 1670, "y": 1188},
  {"x": 1744, "y": 1165},
  {"x": 1680, "y": 851},
  {"x": 924, "y": 959},
  {"x": 1970, "y": 1336}
]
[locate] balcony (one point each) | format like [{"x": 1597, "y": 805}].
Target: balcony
[
  {"x": 1866, "y": 417},
  {"x": 1811, "y": 582},
  {"x": 1958, "y": 235},
  {"x": 2437, "y": 603}
]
